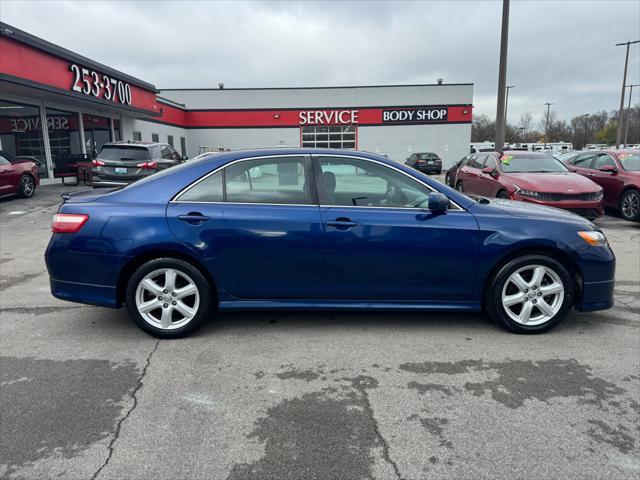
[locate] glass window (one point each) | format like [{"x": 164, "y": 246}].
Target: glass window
[
  {"x": 477, "y": 161},
  {"x": 4, "y": 161},
  {"x": 123, "y": 152},
  {"x": 583, "y": 160},
  {"x": 170, "y": 140},
  {"x": 339, "y": 136},
  {"x": 155, "y": 137},
  {"x": 183, "y": 146},
  {"x": 165, "y": 153},
  {"x": 116, "y": 129},
  {"x": 630, "y": 161},
  {"x": 137, "y": 136},
  {"x": 21, "y": 133},
  {"x": 65, "y": 142},
  {"x": 532, "y": 163},
  {"x": 277, "y": 180},
  {"x": 354, "y": 182},
  {"x": 603, "y": 159},
  {"x": 491, "y": 162},
  {"x": 208, "y": 190},
  {"x": 97, "y": 132}
]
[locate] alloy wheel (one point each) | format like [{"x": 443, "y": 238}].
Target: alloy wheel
[
  {"x": 27, "y": 186},
  {"x": 533, "y": 295},
  {"x": 167, "y": 299},
  {"x": 630, "y": 205}
]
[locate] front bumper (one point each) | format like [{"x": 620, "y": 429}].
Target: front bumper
[
  {"x": 589, "y": 209},
  {"x": 596, "y": 296}
]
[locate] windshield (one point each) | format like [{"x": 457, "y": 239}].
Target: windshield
[
  {"x": 114, "y": 152},
  {"x": 630, "y": 161},
  {"x": 531, "y": 164}
]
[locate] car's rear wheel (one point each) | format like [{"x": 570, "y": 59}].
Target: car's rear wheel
[
  {"x": 460, "y": 186},
  {"x": 27, "y": 186},
  {"x": 530, "y": 294},
  {"x": 630, "y": 205},
  {"x": 503, "y": 194},
  {"x": 168, "y": 298}
]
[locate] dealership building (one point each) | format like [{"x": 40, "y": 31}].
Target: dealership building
[{"x": 83, "y": 104}]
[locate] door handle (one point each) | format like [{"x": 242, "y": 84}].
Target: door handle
[
  {"x": 341, "y": 223},
  {"x": 193, "y": 218},
  {"x": 591, "y": 174}
]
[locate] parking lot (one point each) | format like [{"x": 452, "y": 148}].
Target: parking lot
[{"x": 84, "y": 394}]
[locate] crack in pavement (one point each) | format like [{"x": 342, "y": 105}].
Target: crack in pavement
[
  {"x": 361, "y": 384},
  {"x": 37, "y": 310},
  {"x": 128, "y": 414}
]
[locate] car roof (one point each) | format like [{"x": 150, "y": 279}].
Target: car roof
[{"x": 134, "y": 144}]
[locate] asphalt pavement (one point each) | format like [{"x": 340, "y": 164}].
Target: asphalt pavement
[{"x": 84, "y": 394}]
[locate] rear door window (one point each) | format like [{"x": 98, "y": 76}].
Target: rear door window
[
  {"x": 583, "y": 161},
  {"x": 208, "y": 190},
  {"x": 275, "y": 180}
]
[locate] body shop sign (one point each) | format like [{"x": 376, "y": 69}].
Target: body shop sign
[{"x": 416, "y": 115}]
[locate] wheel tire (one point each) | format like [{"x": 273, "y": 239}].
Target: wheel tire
[
  {"x": 27, "y": 186},
  {"x": 184, "y": 271},
  {"x": 503, "y": 194},
  {"x": 501, "y": 282},
  {"x": 629, "y": 205},
  {"x": 460, "y": 186}
]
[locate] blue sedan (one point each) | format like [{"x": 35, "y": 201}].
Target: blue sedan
[{"x": 320, "y": 229}]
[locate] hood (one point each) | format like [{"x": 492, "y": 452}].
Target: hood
[
  {"x": 533, "y": 211},
  {"x": 553, "y": 182}
]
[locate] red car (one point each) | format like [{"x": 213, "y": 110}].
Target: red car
[
  {"x": 534, "y": 177},
  {"x": 618, "y": 173},
  {"x": 18, "y": 176}
]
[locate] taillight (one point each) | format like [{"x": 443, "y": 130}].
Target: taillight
[
  {"x": 68, "y": 222},
  {"x": 147, "y": 165},
  {"x": 97, "y": 163}
]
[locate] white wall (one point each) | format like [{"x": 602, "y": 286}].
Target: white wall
[{"x": 130, "y": 125}]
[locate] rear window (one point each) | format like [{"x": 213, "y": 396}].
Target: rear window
[
  {"x": 114, "y": 152},
  {"x": 531, "y": 164},
  {"x": 426, "y": 156}
]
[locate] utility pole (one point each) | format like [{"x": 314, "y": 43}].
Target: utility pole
[
  {"x": 502, "y": 78},
  {"x": 522, "y": 129},
  {"x": 624, "y": 84},
  {"x": 546, "y": 127},
  {"x": 626, "y": 129},
  {"x": 586, "y": 129},
  {"x": 506, "y": 103}
]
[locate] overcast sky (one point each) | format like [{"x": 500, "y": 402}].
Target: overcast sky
[{"x": 559, "y": 51}]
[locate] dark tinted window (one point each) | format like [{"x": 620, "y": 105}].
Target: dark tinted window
[
  {"x": 155, "y": 137},
  {"x": 278, "y": 180},
  {"x": 115, "y": 152},
  {"x": 165, "y": 153},
  {"x": 583, "y": 160},
  {"x": 427, "y": 156},
  {"x": 531, "y": 163},
  {"x": 208, "y": 190}
]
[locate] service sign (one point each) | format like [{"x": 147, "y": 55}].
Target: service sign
[
  {"x": 416, "y": 115},
  {"x": 328, "y": 117},
  {"x": 100, "y": 85}
]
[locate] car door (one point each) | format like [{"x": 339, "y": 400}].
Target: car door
[
  {"x": 472, "y": 174},
  {"x": 8, "y": 177},
  {"x": 610, "y": 181},
  {"x": 486, "y": 183},
  {"x": 257, "y": 225},
  {"x": 380, "y": 243}
]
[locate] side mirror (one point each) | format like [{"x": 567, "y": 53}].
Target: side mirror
[
  {"x": 608, "y": 169},
  {"x": 490, "y": 171},
  {"x": 438, "y": 202},
  {"x": 185, "y": 158}
]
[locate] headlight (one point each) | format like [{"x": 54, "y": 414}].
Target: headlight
[
  {"x": 594, "y": 238},
  {"x": 526, "y": 193}
]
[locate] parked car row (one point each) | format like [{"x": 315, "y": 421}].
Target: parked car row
[{"x": 585, "y": 183}]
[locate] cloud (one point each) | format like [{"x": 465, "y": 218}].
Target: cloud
[{"x": 562, "y": 52}]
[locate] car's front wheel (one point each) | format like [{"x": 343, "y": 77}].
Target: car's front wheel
[
  {"x": 460, "y": 186},
  {"x": 630, "y": 205},
  {"x": 168, "y": 298},
  {"x": 530, "y": 294}
]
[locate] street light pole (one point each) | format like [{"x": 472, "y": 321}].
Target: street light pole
[
  {"x": 502, "y": 78},
  {"x": 624, "y": 84},
  {"x": 546, "y": 127},
  {"x": 586, "y": 128},
  {"x": 626, "y": 128},
  {"x": 506, "y": 103}
]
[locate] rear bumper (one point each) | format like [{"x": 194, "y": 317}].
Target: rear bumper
[
  {"x": 589, "y": 209},
  {"x": 100, "y": 295},
  {"x": 429, "y": 168}
]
